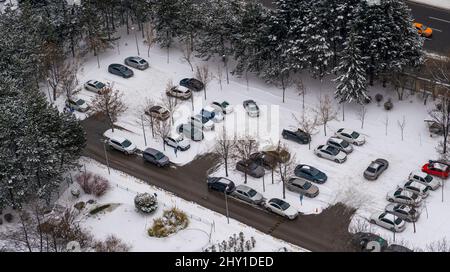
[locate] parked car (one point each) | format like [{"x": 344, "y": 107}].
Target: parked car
[
  {"x": 425, "y": 179},
  {"x": 404, "y": 196},
  {"x": 190, "y": 131},
  {"x": 251, "y": 108},
  {"x": 362, "y": 241},
  {"x": 158, "y": 112},
  {"x": 434, "y": 127},
  {"x": 201, "y": 121},
  {"x": 156, "y": 157},
  {"x": 177, "y": 141},
  {"x": 350, "y": 136},
  {"x": 340, "y": 144},
  {"x": 405, "y": 212},
  {"x": 77, "y": 104},
  {"x": 298, "y": 136},
  {"x": 280, "y": 155},
  {"x": 192, "y": 84},
  {"x": 137, "y": 62},
  {"x": 122, "y": 144},
  {"x": 436, "y": 168},
  {"x": 282, "y": 208},
  {"x": 330, "y": 153},
  {"x": 212, "y": 114},
  {"x": 417, "y": 188},
  {"x": 94, "y": 86},
  {"x": 302, "y": 186},
  {"x": 397, "y": 248},
  {"x": 310, "y": 173},
  {"x": 388, "y": 221},
  {"x": 120, "y": 70},
  {"x": 179, "y": 92},
  {"x": 375, "y": 169},
  {"x": 247, "y": 194},
  {"x": 221, "y": 184},
  {"x": 225, "y": 107},
  {"x": 423, "y": 30},
  {"x": 251, "y": 168},
  {"x": 263, "y": 159}
]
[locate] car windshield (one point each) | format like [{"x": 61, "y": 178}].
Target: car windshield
[
  {"x": 252, "y": 106},
  {"x": 126, "y": 143},
  {"x": 252, "y": 166},
  {"x": 307, "y": 185},
  {"x": 344, "y": 144},
  {"x": 80, "y": 102},
  {"x": 142, "y": 61},
  {"x": 314, "y": 171},
  {"x": 159, "y": 155},
  {"x": 99, "y": 85},
  {"x": 225, "y": 104},
  {"x": 371, "y": 169},
  {"x": 284, "y": 205},
  {"x": 355, "y": 135},
  {"x": 398, "y": 221},
  {"x": 251, "y": 193},
  {"x": 428, "y": 178},
  {"x": 332, "y": 150}
]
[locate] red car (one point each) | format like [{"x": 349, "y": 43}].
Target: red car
[{"x": 437, "y": 168}]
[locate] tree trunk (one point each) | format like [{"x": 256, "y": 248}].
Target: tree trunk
[
  {"x": 325, "y": 128},
  {"x": 226, "y": 166}
]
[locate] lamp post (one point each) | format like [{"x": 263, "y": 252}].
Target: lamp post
[
  {"x": 106, "y": 156},
  {"x": 226, "y": 205},
  {"x": 135, "y": 37}
]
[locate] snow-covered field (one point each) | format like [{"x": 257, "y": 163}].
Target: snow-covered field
[
  {"x": 445, "y": 4},
  {"x": 206, "y": 227},
  {"x": 345, "y": 182}
]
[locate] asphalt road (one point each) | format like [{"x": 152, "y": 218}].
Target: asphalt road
[
  {"x": 437, "y": 19},
  {"x": 324, "y": 232}
]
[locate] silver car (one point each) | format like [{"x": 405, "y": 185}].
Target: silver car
[
  {"x": 122, "y": 144},
  {"x": 388, "y": 221},
  {"x": 405, "y": 212},
  {"x": 179, "y": 92},
  {"x": 94, "y": 86},
  {"x": 177, "y": 141},
  {"x": 251, "y": 108},
  {"x": 375, "y": 169},
  {"x": 404, "y": 196},
  {"x": 247, "y": 194},
  {"x": 303, "y": 187},
  {"x": 417, "y": 188},
  {"x": 425, "y": 179},
  {"x": 137, "y": 62},
  {"x": 340, "y": 144},
  {"x": 350, "y": 136},
  {"x": 330, "y": 153},
  {"x": 282, "y": 208},
  {"x": 77, "y": 104}
]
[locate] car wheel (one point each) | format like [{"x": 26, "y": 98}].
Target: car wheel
[
  {"x": 372, "y": 221},
  {"x": 336, "y": 160},
  {"x": 284, "y": 137},
  {"x": 318, "y": 155},
  {"x": 390, "y": 200}
]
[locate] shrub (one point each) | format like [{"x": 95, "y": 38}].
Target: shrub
[
  {"x": 145, "y": 203},
  {"x": 172, "y": 221},
  {"x": 79, "y": 205},
  {"x": 99, "y": 209},
  {"x": 388, "y": 105},
  {"x": 8, "y": 217},
  {"x": 111, "y": 244},
  {"x": 378, "y": 98},
  {"x": 92, "y": 184}
]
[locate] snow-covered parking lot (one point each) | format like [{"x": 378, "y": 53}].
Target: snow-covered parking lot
[{"x": 345, "y": 181}]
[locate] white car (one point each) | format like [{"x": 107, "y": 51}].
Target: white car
[
  {"x": 416, "y": 187},
  {"x": 251, "y": 108},
  {"x": 94, "y": 86},
  {"x": 340, "y": 144},
  {"x": 211, "y": 113},
  {"x": 77, "y": 104},
  {"x": 331, "y": 153},
  {"x": 404, "y": 196},
  {"x": 201, "y": 121},
  {"x": 177, "y": 141},
  {"x": 405, "y": 212},
  {"x": 388, "y": 221},
  {"x": 225, "y": 107},
  {"x": 425, "y": 179},
  {"x": 350, "y": 136},
  {"x": 122, "y": 144},
  {"x": 282, "y": 208}
]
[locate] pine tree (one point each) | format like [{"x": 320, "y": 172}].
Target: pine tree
[{"x": 352, "y": 79}]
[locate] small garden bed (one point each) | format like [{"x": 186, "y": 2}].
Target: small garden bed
[{"x": 172, "y": 221}]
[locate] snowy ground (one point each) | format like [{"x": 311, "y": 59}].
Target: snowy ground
[
  {"x": 131, "y": 226},
  {"x": 445, "y": 4},
  {"x": 345, "y": 182}
]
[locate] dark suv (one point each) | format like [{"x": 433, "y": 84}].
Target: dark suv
[
  {"x": 298, "y": 136},
  {"x": 192, "y": 84},
  {"x": 221, "y": 184}
]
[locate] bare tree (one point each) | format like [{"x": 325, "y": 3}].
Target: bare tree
[
  {"x": 362, "y": 115},
  {"x": 70, "y": 80},
  {"x": 225, "y": 146},
  {"x": 285, "y": 167},
  {"x": 149, "y": 103},
  {"x": 307, "y": 124},
  {"x": 439, "y": 246},
  {"x": 244, "y": 147},
  {"x": 325, "y": 111},
  {"x": 204, "y": 75},
  {"x": 163, "y": 129},
  {"x": 301, "y": 91},
  {"x": 398, "y": 81},
  {"x": 441, "y": 115},
  {"x": 188, "y": 53},
  {"x": 97, "y": 44},
  {"x": 402, "y": 125},
  {"x": 110, "y": 104},
  {"x": 169, "y": 102},
  {"x": 55, "y": 66},
  {"x": 149, "y": 36}
]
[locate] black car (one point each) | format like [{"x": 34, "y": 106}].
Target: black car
[
  {"x": 263, "y": 159},
  {"x": 120, "y": 70},
  {"x": 298, "y": 136},
  {"x": 221, "y": 184},
  {"x": 310, "y": 173},
  {"x": 192, "y": 84},
  {"x": 368, "y": 242}
]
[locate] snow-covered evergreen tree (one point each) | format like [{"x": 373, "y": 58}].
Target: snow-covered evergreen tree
[{"x": 352, "y": 84}]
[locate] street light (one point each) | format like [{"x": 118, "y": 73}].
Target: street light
[
  {"x": 135, "y": 37},
  {"x": 226, "y": 204}
]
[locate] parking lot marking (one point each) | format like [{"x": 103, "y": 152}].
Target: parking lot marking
[
  {"x": 438, "y": 19},
  {"x": 435, "y": 29}
]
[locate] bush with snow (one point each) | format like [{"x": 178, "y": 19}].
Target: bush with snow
[
  {"x": 235, "y": 243},
  {"x": 111, "y": 244},
  {"x": 172, "y": 221},
  {"x": 146, "y": 203},
  {"x": 93, "y": 184}
]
